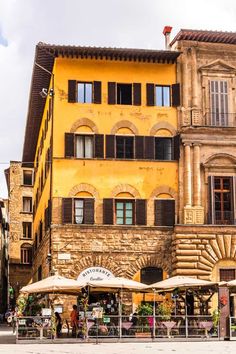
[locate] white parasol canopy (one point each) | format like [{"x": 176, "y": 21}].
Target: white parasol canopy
[
  {"x": 181, "y": 282},
  {"x": 54, "y": 284},
  {"x": 231, "y": 283},
  {"x": 116, "y": 283}
]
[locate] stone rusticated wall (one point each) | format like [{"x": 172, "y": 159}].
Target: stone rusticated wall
[
  {"x": 123, "y": 250},
  {"x": 197, "y": 249}
]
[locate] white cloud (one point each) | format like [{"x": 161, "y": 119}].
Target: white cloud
[{"x": 117, "y": 23}]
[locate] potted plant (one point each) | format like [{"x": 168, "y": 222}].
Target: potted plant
[
  {"x": 144, "y": 311},
  {"x": 164, "y": 310},
  {"x": 215, "y": 320}
]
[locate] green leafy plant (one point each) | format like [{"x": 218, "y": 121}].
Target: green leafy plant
[
  {"x": 216, "y": 318},
  {"x": 164, "y": 310},
  {"x": 143, "y": 311}
]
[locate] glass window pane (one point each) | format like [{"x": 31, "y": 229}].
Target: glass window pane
[
  {"x": 119, "y": 205},
  {"x": 129, "y": 147},
  {"x": 120, "y": 147},
  {"x": 80, "y": 146},
  {"x": 119, "y": 213},
  {"x": 81, "y": 95},
  {"x": 129, "y": 206},
  {"x": 159, "y": 96},
  {"x": 129, "y": 221},
  {"x": 166, "y": 96},
  {"x": 88, "y": 93},
  {"x": 88, "y": 146},
  {"x": 129, "y": 213},
  {"x": 119, "y": 221}
]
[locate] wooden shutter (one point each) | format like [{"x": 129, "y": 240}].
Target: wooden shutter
[
  {"x": 69, "y": 145},
  {"x": 72, "y": 91},
  {"x": 164, "y": 212},
  {"x": 108, "y": 211},
  {"x": 67, "y": 210},
  {"x": 111, "y": 93},
  {"x": 176, "y": 145},
  {"x": 139, "y": 147},
  {"x": 110, "y": 146},
  {"x": 150, "y": 94},
  {"x": 211, "y": 204},
  {"x": 149, "y": 147},
  {"x": 99, "y": 146},
  {"x": 89, "y": 211},
  {"x": 137, "y": 94},
  {"x": 175, "y": 95},
  {"x": 141, "y": 211},
  {"x": 97, "y": 92}
]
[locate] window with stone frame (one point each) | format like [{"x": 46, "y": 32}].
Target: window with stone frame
[
  {"x": 219, "y": 103},
  {"x": 27, "y": 229},
  {"x": 26, "y": 253},
  {"x": 27, "y": 177},
  {"x": 124, "y": 147},
  {"x": 221, "y": 200},
  {"x": 124, "y": 212},
  {"x": 27, "y": 204},
  {"x": 78, "y": 211},
  {"x": 227, "y": 274}
]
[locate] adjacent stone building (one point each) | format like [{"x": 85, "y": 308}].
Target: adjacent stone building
[
  {"x": 3, "y": 256},
  {"x": 19, "y": 182}
]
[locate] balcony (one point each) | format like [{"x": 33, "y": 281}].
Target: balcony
[{"x": 217, "y": 119}]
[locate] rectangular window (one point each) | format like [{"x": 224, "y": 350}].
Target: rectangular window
[
  {"x": 223, "y": 200},
  {"x": 26, "y": 255},
  {"x": 27, "y": 178},
  {"x": 27, "y": 204},
  {"x": 85, "y": 92},
  {"x": 162, "y": 96},
  {"x": 79, "y": 211},
  {"x": 124, "y": 94},
  {"x": 84, "y": 146},
  {"x": 124, "y": 212},
  {"x": 125, "y": 147},
  {"x": 164, "y": 149},
  {"x": 27, "y": 230},
  {"x": 219, "y": 103},
  {"x": 227, "y": 274}
]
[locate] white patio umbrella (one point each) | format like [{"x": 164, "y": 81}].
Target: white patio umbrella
[
  {"x": 116, "y": 283},
  {"x": 55, "y": 284},
  {"x": 180, "y": 282}
]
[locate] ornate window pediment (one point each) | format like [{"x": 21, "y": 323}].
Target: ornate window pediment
[{"x": 217, "y": 66}]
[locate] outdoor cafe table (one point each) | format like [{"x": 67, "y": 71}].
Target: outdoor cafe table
[
  {"x": 206, "y": 325},
  {"x": 169, "y": 325}
]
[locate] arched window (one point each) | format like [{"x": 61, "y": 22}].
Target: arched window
[
  {"x": 150, "y": 275},
  {"x": 26, "y": 253}
]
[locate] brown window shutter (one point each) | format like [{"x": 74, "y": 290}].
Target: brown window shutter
[
  {"x": 72, "y": 91},
  {"x": 175, "y": 95},
  {"x": 97, "y": 92},
  {"x": 67, "y": 210},
  {"x": 89, "y": 211},
  {"x": 150, "y": 94},
  {"x": 211, "y": 204},
  {"x": 176, "y": 143},
  {"x": 149, "y": 147},
  {"x": 108, "y": 211},
  {"x": 137, "y": 94},
  {"x": 111, "y": 93},
  {"x": 69, "y": 145},
  {"x": 110, "y": 146},
  {"x": 99, "y": 146},
  {"x": 139, "y": 147},
  {"x": 164, "y": 212},
  {"x": 141, "y": 211}
]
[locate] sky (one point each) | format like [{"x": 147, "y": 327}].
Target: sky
[{"x": 108, "y": 23}]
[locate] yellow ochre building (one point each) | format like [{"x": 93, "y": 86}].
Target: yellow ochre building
[{"x": 102, "y": 136}]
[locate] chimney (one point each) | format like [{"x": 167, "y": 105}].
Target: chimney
[{"x": 167, "y": 31}]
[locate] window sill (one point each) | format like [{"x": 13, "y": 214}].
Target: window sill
[
  {"x": 26, "y": 239},
  {"x": 27, "y": 185},
  {"x": 26, "y": 212}
]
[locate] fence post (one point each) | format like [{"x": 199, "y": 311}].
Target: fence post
[{"x": 186, "y": 326}]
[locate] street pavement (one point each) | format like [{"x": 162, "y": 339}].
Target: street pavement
[{"x": 217, "y": 347}]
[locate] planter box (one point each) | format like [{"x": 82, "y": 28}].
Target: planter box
[{"x": 143, "y": 335}]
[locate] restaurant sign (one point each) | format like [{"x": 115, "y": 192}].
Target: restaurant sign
[{"x": 95, "y": 274}]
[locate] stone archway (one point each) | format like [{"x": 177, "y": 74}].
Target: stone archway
[
  {"x": 84, "y": 187},
  {"x": 146, "y": 261},
  {"x": 121, "y": 188},
  {"x": 124, "y": 124},
  {"x": 84, "y": 121},
  {"x": 162, "y": 125}
]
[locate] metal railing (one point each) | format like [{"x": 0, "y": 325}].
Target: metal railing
[{"x": 114, "y": 326}]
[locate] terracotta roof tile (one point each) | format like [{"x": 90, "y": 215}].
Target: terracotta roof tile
[{"x": 205, "y": 36}]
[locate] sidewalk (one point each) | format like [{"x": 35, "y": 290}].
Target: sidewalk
[{"x": 6, "y": 335}]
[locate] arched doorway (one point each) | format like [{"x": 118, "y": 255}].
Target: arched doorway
[{"x": 148, "y": 275}]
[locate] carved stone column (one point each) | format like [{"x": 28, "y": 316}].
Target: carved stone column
[
  {"x": 196, "y": 176},
  {"x": 194, "y": 78},
  {"x": 187, "y": 175}
]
